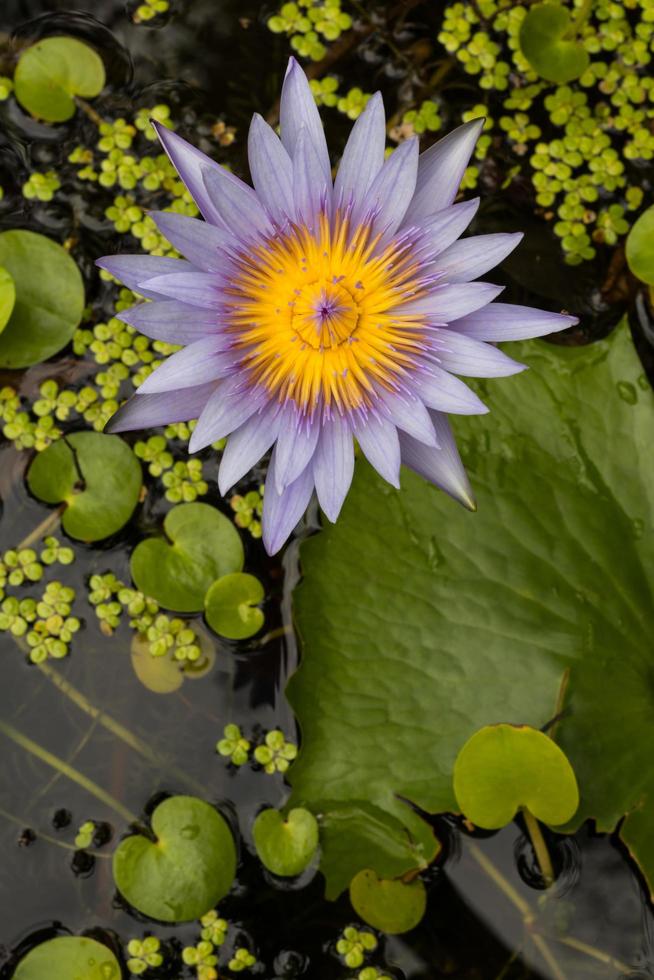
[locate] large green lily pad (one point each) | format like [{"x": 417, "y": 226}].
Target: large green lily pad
[
  {"x": 639, "y": 249},
  {"x": 504, "y": 768},
  {"x": 422, "y": 622},
  {"x": 52, "y": 72},
  {"x": 69, "y": 958},
  {"x": 202, "y": 545},
  {"x": 7, "y": 297},
  {"x": 186, "y": 870},
  {"x": 49, "y": 298},
  {"x": 97, "y": 476}
]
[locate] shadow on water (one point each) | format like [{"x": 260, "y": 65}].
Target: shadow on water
[{"x": 488, "y": 917}]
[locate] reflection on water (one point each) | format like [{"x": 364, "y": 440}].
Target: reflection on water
[{"x": 83, "y": 739}]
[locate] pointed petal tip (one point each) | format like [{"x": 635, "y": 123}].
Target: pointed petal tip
[
  {"x": 462, "y": 494},
  {"x": 292, "y": 65}
]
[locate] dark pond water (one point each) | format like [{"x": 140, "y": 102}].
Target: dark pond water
[{"x": 117, "y": 747}]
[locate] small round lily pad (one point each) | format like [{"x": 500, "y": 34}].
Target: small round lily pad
[
  {"x": 640, "y": 247},
  {"x": 286, "y": 846},
  {"x": 201, "y": 546},
  {"x": 7, "y": 296},
  {"x": 97, "y": 476},
  {"x": 548, "y": 43},
  {"x": 186, "y": 870},
  {"x": 69, "y": 958},
  {"x": 231, "y": 606},
  {"x": 390, "y": 905},
  {"x": 161, "y": 675},
  {"x": 52, "y": 72},
  {"x": 503, "y": 768},
  {"x": 164, "y": 675},
  {"x": 49, "y": 298}
]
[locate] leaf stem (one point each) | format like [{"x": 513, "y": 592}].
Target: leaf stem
[
  {"x": 47, "y": 524},
  {"x": 540, "y": 847},
  {"x": 47, "y": 837},
  {"x": 540, "y": 940},
  {"x": 502, "y": 883},
  {"x": 89, "y": 110},
  {"x": 74, "y": 775}
]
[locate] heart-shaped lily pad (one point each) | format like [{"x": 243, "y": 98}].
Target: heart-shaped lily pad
[
  {"x": 7, "y": 296},
  {"x": 97, "y": 476},
  {"x": 69, "y": 958},
  {"x": 286, "y": 846},
  {"x": 52, "y": 72},
  {"x": 392, "y": 906},
  {"x": 503, "y": 768},
  {"x": 231, "y": 606},
  {"x": 48, "y": 305},
  {"x": 202, "y": 546},
  {"x": 188, "y": 868},
  {"x": 548, "y": 43},
  {"x": 640, "y": 247}
]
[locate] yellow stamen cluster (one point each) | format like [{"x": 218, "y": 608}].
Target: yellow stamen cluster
[{"x": 312, "y": 314}]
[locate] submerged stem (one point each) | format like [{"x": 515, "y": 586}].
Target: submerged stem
[
  {"x": 596, "y": 954},
  {"x": 115, "y": 727},
  {"x": 62, "y": 766},
  {"x": 540, "y": 847}
]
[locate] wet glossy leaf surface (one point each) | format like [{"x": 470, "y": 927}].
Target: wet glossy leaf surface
[
  {"x": 7, "y": 297},
  {"x": 69, "y": 958},
  {"x": 186, "y": 870},
  {"x": 640, "y": 247},
  {"x": 47, "y": 307},
  {"x": 469, "y": 620}
]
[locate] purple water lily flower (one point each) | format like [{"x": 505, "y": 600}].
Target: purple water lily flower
[{"x": 315, "y": 312}]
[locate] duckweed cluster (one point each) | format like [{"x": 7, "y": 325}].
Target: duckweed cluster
[
  {"x": 573, "y": 142},
  {"x": 276, "y": 754},
  {"x": 144, "y": 954},
  {"x": 148, "y": 11},
  {"x": 354, "y": 945},
  {"x": 273, "y": 754},
  {"x": 43, "y": 622},
  {"x": 579, "y": 144},
  {"x": 85, "y": 834},
  {"x": 248, "y": 509},
  {"x": 165, "y": 635},
  {"x": 204, "y": 955},
  {"x": 310, "y": 23}
]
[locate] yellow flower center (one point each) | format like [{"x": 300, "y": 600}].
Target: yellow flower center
[{"x": 313, "y": 314}]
